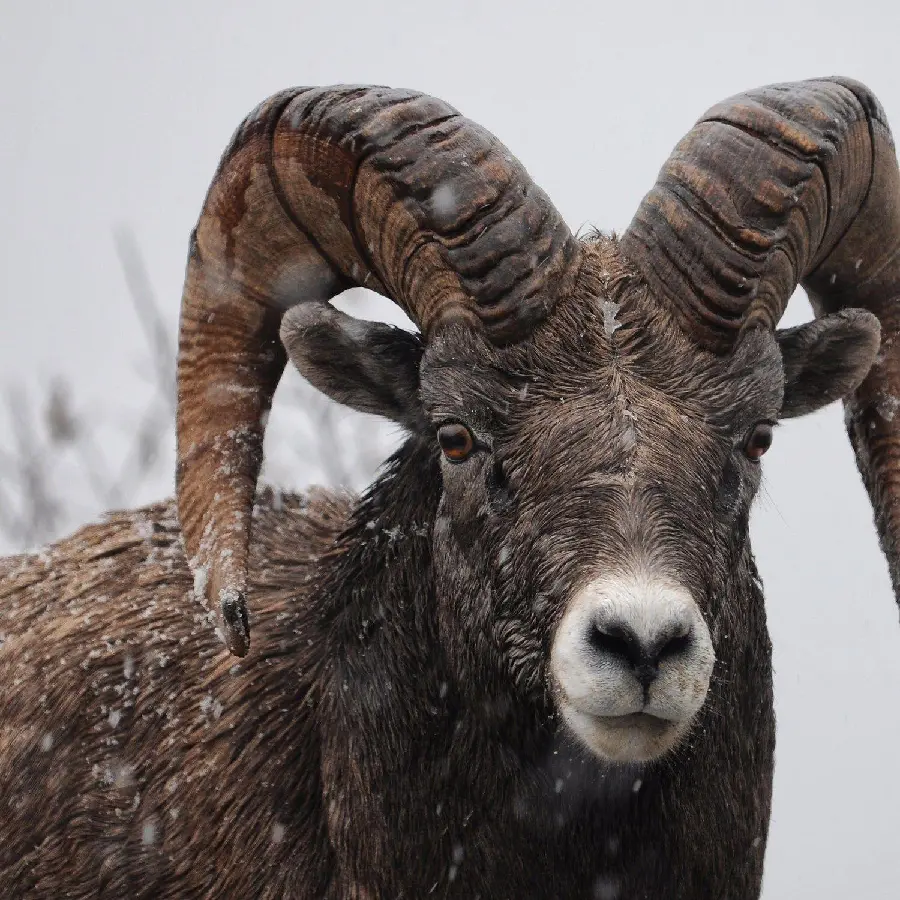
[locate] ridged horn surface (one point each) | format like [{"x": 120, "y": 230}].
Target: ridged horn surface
[
  {"x": 321, "y": 189},
  {"x": 789, "y": 184}
]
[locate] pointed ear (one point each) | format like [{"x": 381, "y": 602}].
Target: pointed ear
[
  {"x": 826, "y": 359},
  {"x": 368, "y": 366}
]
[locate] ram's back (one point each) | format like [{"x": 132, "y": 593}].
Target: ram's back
[{"x": 136, "y": 757}]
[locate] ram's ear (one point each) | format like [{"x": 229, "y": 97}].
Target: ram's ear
[
  {"x": 826, "y": 359},
  {"x": 368, "y": 366}
]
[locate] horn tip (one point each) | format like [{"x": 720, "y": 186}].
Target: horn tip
[{"x": 235, "y": 620}]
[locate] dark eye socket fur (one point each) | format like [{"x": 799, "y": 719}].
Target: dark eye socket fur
[{"x": 499, "y": 487}]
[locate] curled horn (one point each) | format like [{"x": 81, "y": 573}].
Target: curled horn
[
  {"x": 789, "y": 184},
  {"x": 321, "y": 189}
]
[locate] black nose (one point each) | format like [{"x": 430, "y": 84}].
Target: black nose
[{"x": 616, "y": 641}]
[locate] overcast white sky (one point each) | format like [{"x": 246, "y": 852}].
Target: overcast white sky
[{"x": 117, "y": 112}]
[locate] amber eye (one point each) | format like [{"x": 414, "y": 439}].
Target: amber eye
[
  {"x": 758, "y": 441},
  {"x": 456, "y": 441}
]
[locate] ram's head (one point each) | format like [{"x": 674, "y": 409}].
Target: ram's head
[{"x": 598, "y": 408}]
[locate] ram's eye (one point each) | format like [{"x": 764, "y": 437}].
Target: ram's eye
[
  {"x": 758, "y": 441},
  {"x": 456, "y": 441}
]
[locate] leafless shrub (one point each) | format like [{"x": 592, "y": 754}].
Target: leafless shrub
[{"x": 64, "y": 461}]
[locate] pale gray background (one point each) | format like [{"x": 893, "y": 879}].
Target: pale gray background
[{"x": 117, "y": 112}]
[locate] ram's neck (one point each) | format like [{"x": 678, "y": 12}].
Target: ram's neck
[{"x": 375, "y": 593}]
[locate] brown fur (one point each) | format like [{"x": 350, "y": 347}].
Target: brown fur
[{"x": 128, "y": 734}]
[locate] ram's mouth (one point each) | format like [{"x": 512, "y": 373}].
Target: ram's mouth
[
  {"x": 633, "y": 738},
  {"x": 636, "y": 720}
]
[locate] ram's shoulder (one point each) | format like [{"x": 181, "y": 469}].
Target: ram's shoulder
[{"x": 127, "y": 728}]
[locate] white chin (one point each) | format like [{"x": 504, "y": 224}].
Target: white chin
[{"x": 635, "y": 738}]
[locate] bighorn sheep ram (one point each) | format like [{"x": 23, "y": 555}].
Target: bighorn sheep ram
[{"x": 532, "y": 661}]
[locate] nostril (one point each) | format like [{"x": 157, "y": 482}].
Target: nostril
[
  {"x": 677, "y": 643},
  {"x": 616, "y": 640}
]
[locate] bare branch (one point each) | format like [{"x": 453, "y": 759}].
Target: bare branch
[
  {"x": 162, "y": 347},
  {"x": 49, "y": 440}
]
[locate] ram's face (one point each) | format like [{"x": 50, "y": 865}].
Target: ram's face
[
  {"x": 597, "y": 477},
  {"x": 596, "y": 484}
]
